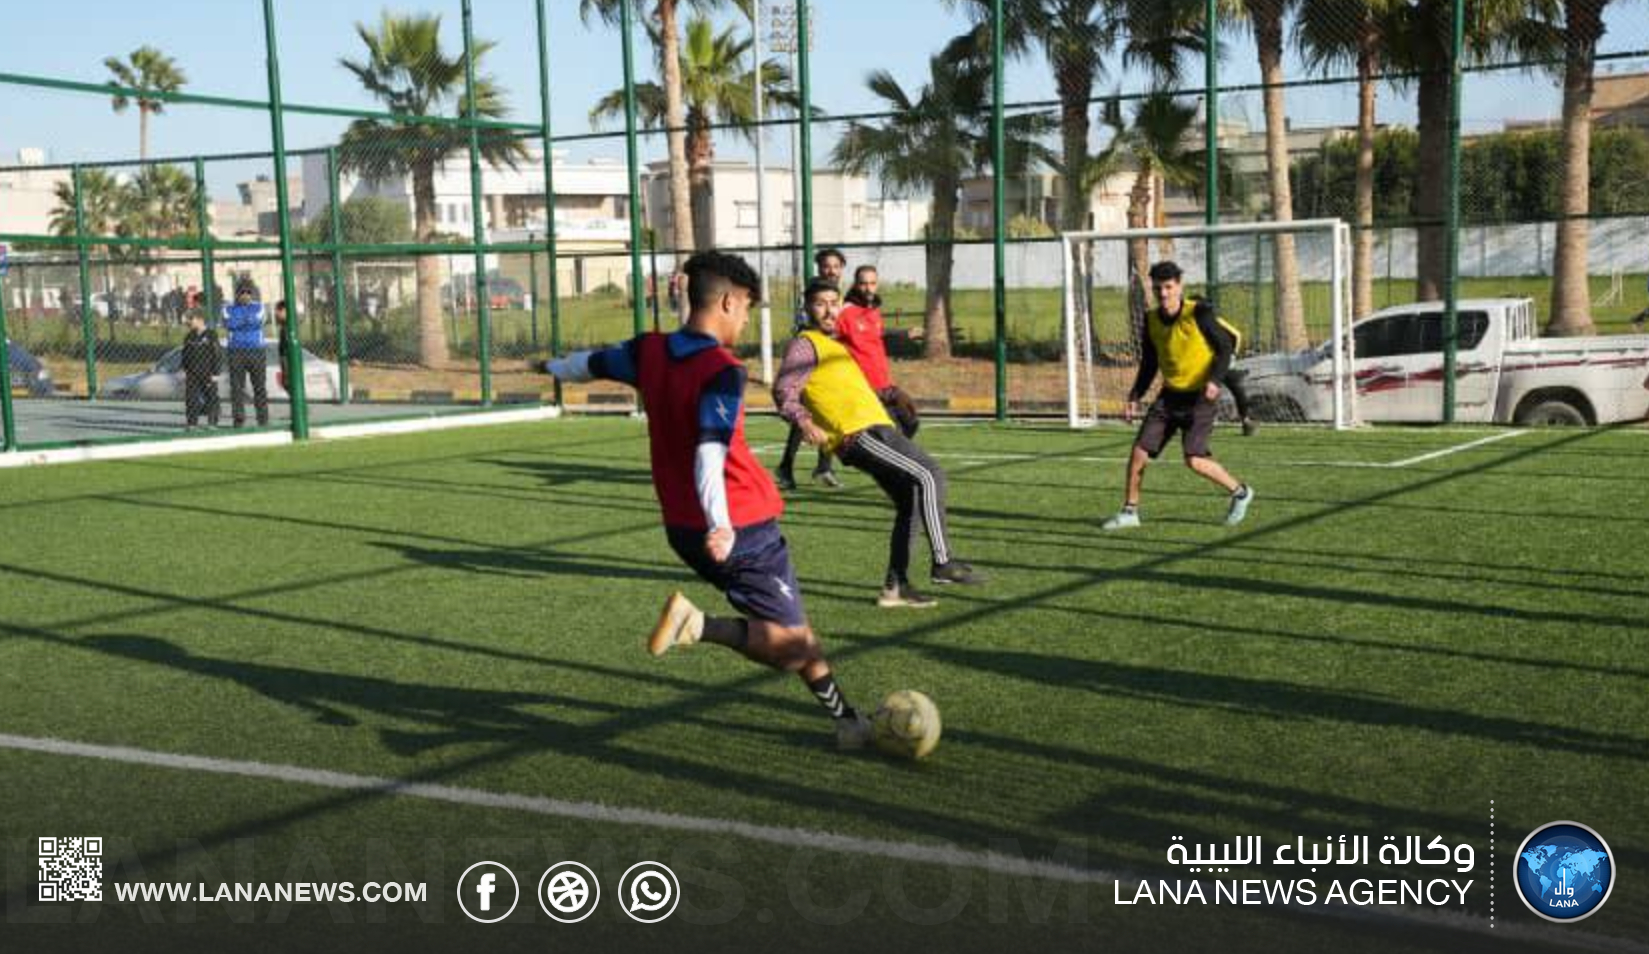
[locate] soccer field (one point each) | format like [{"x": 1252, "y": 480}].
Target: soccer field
[{"x": 1411, "y": 624}]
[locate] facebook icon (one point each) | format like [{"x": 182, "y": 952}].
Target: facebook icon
[{"x": 478, "y": 886}]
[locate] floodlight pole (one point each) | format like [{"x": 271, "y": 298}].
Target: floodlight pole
[
  {"x": 8, "y": 422},
  {"x": 761, "y": 192},
  {"x": 1211, "y": 145},
  {"x": 283, "y": 214},
  {"x": 478, "y": 223},
  {"x": 340, "y": 289},
  {"x": 638, "y": 292},
  {"x": 88, "y": 333},
  {"x": 1451, "y": 230},
  {"x": 999, "y": 279},
  {"x": 803, "y": 41},
  {"x": 549, "y": 200}
]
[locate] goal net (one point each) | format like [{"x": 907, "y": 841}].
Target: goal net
[{"x": 1294, "y": 358}]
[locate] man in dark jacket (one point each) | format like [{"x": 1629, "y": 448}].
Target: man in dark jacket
[{"x": 202, "y": 363}]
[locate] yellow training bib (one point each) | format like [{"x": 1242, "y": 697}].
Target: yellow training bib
[{"x": 837, "y": 394}]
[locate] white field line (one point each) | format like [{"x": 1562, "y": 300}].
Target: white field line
[
  {"x": 939, "y": 855},
  {"x": 769, "y": 450},
  {"x": 223, "y": 442}
]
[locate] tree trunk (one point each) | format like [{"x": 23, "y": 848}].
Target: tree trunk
[
  {"x": 1362, "y": 242},
  {"x": 1268, "y": 38},
  {"x": 1076, "y": 83},
  {"x": 701, "y": 153},
  {"x": 936, "y": 324},
  {"x": 1571, "y": 291},
  {"x": 675, "y": 116},
  {"x": 432, "y": 331},
  {"x": 1430, "y": 193},
  {"x": 142, "y": 130},
  {"x": 1139, "y": 213}
]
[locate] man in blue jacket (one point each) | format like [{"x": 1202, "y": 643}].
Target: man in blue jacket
[{"x": 244, "y": 319}]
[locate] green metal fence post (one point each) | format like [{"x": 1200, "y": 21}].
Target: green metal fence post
[
  {"x": 805, "y": 126},
  {"x": 203, "y": 225},
  {"x": 88, "y": 329},
  {"x": 478, "y": 227},
  {"x": 638, "y": 293},
  {"x": 1451, "y": 294},
  {"x": 283, "y": 213},
  {"x": 340, "y": 288},
  {"x": 549, "y": 201},
  {"x": 999, "y": 272},
  {"x": 1211, "y": 144},
  {"x": 8, "y": 422}
]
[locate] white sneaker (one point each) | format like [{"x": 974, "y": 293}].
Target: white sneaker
[
  {"x": 680, "y": 624},
  {"x": 853, "y": 734},
  {"x": 1239, "y": 505},
  {"x": 1123, "y": 520}
]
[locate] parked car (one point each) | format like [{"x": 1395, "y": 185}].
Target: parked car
[
  {"x": 1504, "y": 372},
  {"x": 29, "y": 375},
  {"x": 164, "y": 381}
]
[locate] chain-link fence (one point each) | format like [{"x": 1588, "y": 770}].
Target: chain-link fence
[{"x": 435, "y": 240}]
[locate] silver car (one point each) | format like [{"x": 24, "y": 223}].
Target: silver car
[{"x": 164, "y": 381}]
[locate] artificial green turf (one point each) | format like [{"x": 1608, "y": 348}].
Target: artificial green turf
[{"x": 1378, "y": 651}]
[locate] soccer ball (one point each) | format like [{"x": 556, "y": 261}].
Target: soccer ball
[{"x": 906, "y": 724}]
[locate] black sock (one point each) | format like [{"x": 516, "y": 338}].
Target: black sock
[
  {"x": 1241, "y": 491},
  {"x": 1130, "y": 508},
  {"x": 730, "y": 631},
  {"x": 829, "y": 696}
]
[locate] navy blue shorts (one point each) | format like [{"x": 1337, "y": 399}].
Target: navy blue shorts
[{"x": 757, "y": 578}]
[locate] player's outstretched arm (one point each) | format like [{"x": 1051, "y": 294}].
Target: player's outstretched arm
[{"x": 606, "y": 364}]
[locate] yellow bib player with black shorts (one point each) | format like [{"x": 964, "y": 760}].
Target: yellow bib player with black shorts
[
  {"x": 1185, "y": 342},
  {"x": 821, "y": 390}
]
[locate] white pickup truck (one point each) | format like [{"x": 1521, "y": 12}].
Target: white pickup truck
[{"x": 1504, "y": 372}]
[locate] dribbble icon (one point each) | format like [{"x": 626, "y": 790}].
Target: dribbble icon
[
  {"x": 648, "y": 892},
  {"x": 1564, "y": 871}
]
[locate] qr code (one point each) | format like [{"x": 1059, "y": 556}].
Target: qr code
[{"x": 71, "y": 869}]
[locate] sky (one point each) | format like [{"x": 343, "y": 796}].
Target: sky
[{"x": 220, "y": 45}]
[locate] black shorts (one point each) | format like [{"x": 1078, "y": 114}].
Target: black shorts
[
  {"x": 1188, "y": 413},
  {"x": 758, "y": 578}
]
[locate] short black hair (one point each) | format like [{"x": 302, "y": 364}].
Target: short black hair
[
  {"x": 817, "y": 287},
  {"x": 1165, "y": 270},
  {"x": 824, "y": 253},
  {"x": 709, "y": 273},
  {"x": 862, "y": 269}
]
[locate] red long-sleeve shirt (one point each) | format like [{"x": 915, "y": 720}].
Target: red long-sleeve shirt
[{"x": 859, "y": 329}]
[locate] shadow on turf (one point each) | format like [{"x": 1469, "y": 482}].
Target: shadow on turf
[{"x": 1269, "y": 698}]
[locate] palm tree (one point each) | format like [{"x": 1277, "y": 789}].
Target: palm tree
[
  {"x": 719, "y": 89},
  {"x": 1154, "y": 144},
  {"x": 1076, "y": 36},
  {"x": 932, "y": 140},
  {"x": 1417, "y": 43},
  {"x": 1571, "y": 286},
  {"x": 1329, "y": 34},
  {"x": 104, "y": 204},
  {"x": 148, "y": 71},
  {"x": 407, "y": 70},
  {"x": 1265, "y": 18},
  {"x": 668, "y": 41}
]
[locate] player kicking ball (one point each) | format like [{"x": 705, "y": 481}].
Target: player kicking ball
[
  {"x": 1186, "y": 343},
  {"x": 721, "y": 509}
]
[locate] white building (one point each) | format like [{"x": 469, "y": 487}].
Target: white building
[
  {"x": 28, "y": 195},
  {"x": 586, "y": 194},
  {"x": 843, "y": 210}
]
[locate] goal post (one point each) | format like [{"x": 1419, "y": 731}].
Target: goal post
[{"x": 1295, "y": 364}]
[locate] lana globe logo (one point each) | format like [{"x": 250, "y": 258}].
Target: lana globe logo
[{"x": 1565, "y": 871}]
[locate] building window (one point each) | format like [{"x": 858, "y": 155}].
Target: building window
[
  {"x": 788, "y": 218},
  {"x": 747, "y": 218},
  {"x": 857, "y": 216}
]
